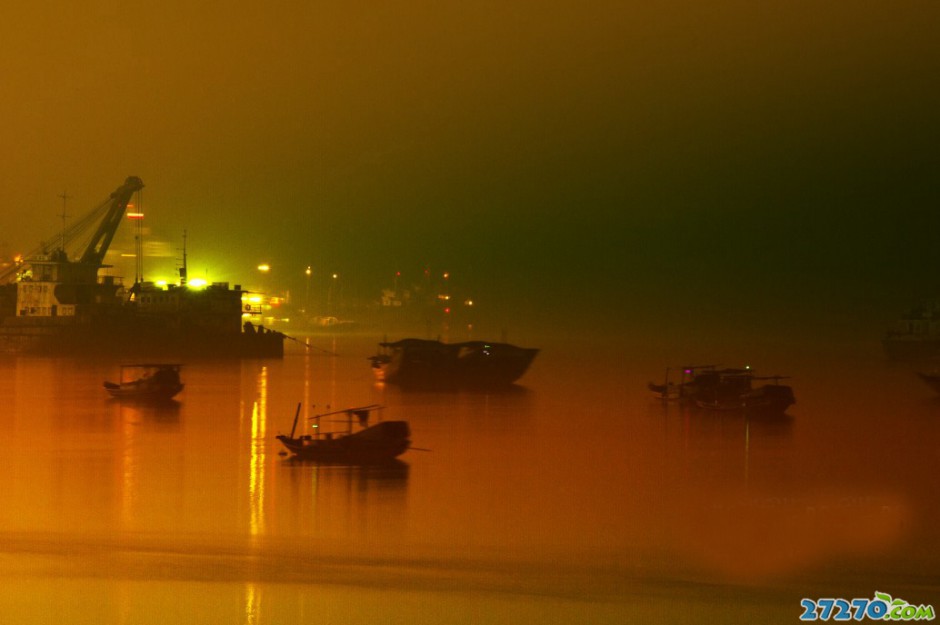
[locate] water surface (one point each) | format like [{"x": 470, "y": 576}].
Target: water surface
[{"x": 573, "y": 497}]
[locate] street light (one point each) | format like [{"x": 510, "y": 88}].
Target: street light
[
  {"x": 329, "y": 294},
  {"x": 307, "y": 291}
]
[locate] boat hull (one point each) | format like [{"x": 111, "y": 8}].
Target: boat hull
[
  {"x": 416, "y": 363},
  {"x": 129, "y": 338},
  {"x": 161, "y": 393},
  {"x": 769, "y": 399},
  {"x": 382, "y": 442}
]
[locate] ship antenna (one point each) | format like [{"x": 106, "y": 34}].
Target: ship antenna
[
  {"x": 65, "y": 198},
  {"x": 183, "y": 275},
  {"x": 139, "y": 240}
]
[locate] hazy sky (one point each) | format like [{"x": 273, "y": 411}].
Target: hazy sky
[{"x": 560, "y": 149}]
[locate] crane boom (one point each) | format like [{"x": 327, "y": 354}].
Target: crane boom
[{"x": 101, "y": 240}]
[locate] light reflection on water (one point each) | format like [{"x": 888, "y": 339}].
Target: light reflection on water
[{"x": 576, "y": 488}]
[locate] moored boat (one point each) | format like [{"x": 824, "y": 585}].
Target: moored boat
[
  {"x": 736, "y": 391},
  {"x": 714, "y": 388},
  {"x": 379, "y": 443},
  {"x": 146, "y": 382}
]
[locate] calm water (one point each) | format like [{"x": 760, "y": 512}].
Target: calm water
[{"x": 574, "y": 498}]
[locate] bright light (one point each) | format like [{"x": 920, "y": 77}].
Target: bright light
[
  {"x": 197, "y": 283},
  {"x": 335, "y": 276},
  {"x": 160, "y": 283},
  {"x": 308, "y": 271},
  {"x": 135, "y": 215},
  {"x": 264, "y": 267}
]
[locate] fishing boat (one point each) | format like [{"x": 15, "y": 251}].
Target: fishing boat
[
  {"x": 715, "y": 388},
  {"x": 146, "y": 382},
  {"x": 736, "y": 391},
  {"x": 420, "y": 363},
  {"x": 371, "y": 444}
]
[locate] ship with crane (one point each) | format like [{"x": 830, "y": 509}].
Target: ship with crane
[{"x": 54, "y": 303}]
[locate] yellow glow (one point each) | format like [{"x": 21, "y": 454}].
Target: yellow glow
[
  {"x": 160, "y": 283},
  {"x": 255, "y": 299},
  {"x": 197, "y": 283},
  {"x": 308, "y": 271},
  {"x": 264, "y": 267},
  {"x": 259, "y": 417}
]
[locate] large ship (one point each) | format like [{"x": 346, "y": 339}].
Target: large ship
[
  {"x": 419, "y": 363},
  {"x": 54, "y": 304}
]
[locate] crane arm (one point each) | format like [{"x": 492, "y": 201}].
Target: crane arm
[{"x": 101, "y": 240}]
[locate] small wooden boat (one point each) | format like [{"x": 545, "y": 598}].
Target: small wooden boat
[
  {"x": 149, "y": 382},
  {"x": 379, "y": 443}
]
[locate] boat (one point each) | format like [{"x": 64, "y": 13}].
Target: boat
[
  {"x": 735, "y": 390},
  {"x": 371, "y": 444},
  {"x": 916, "y": 335},
  {"x": 56, "y": 302},
  {"x": 715, "y": 388},
  {"x": 146, "y": 382},
  {"x": 420, "y": 363},
  {"x": 332, "y": 324}
]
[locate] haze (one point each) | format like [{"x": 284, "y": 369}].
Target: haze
[{"x": 576, "y": 156}]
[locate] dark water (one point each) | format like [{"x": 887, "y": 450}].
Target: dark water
[{"x": 574, "y": 498}]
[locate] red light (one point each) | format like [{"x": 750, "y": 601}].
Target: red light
[{"x": 447, "y": 310}]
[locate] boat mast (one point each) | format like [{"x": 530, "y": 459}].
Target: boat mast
[
  {"x": 65, "y": 198},
  {"x": 296, "y": 415}
]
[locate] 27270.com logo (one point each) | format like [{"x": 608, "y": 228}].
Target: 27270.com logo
[{"x": 882, "y": 608}]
